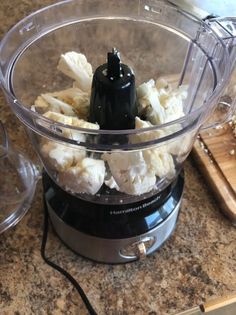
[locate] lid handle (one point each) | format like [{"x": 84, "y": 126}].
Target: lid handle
[{"x": 225, "y": 28}]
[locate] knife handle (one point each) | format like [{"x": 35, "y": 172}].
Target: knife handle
[{"x": 218, "y": 303}]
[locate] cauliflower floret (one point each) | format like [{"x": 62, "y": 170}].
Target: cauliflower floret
[
  {"x": 174, "y": 104},
  {"x": 148, "y": 98},
  {"x": 111, "y": 183},
  {"x": 41, "y": 106},
  {"x": 130, "y": 172},
  {"x": 58, "y": 105},
  {"x": 159, "y": 102},
  {"x": 76, "y": 66},
  {"x": 69, "y": 120},
  {"x": 162, "y": 83},
  {"x": 176, "y": 147},
  {"x": 82, "y": 105},
  {"x": 160, "y": 162},
  {"x": 72, "y": 121},
  {"x": 70, "y": 102},
  {"x": 147, "y": 135},
  {"x": 181, "y": 145},
  {"x": 46, "y": 102},
  {"x": 61, "y": 157},
  {"x": 79, "y": 100},
  {"x": 86, "y": 177}
]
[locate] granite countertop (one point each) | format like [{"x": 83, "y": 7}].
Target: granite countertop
[{"x": 196, "y": 264}]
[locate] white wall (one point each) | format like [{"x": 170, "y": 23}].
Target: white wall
[{"x": 218, "y": 7}]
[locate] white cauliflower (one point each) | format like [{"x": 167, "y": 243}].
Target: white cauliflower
[
  {"x": 178, "y": 146},
  {"x": 130, "y": 172},
  {"x": 148, "y": 96},
  {"x": 45, "y": 103},
  {"x": 181, "y": 145},
  {"x": 72, "y": 121},
  {"x": 86, "y": 177},
  {"x": 162, "y": 83},
  {"x": 173, "y": 104},
  {"x": 147, "y": 135},
  {"x": 76, "y": 66},
  {"x": 160, "y": 162},
  {"x": 82, "y": 105},
  {"x": 111, "y": 183},
  {"x": 61, "y": 157},
  {"x": 69, "y": 120},
  {"x": 41, "y": 106},
  {"x": 70, "y": 102},
  {"x": 159, "y": 102},
  {"x": 159, "y": 159},
  {"x": 58, "y": 105},
  {"x": 79, "y": 100}
]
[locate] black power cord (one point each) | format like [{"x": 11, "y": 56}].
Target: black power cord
[{"x": 61, "y": 270}]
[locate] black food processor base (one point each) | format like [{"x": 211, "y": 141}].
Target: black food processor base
[{"x": 113, "y": 233}]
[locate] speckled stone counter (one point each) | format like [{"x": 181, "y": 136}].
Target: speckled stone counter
[{"x": 196, "y": 264}]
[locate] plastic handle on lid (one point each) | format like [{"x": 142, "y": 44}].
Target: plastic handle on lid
[{"x": 225, "y": 28}]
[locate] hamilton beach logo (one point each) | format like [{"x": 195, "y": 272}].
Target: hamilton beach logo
[{"x": 138, "y": 208}]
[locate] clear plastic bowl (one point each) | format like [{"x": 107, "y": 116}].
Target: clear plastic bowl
[
  {"x": 17, "y": 183},
  {"x": 156, "y": 40}
]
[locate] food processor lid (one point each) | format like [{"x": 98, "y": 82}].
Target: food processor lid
[{"x": 17, "y": 183}]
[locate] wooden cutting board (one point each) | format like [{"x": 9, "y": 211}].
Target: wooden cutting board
[{"x": 212, "y": 153}]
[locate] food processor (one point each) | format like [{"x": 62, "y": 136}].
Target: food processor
[{"x": 111, "y": 206}]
